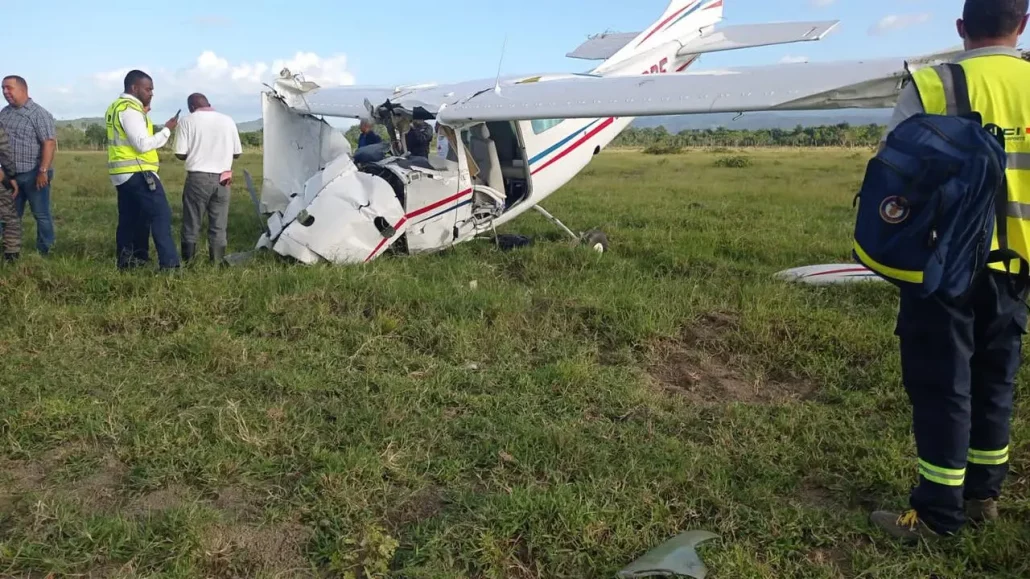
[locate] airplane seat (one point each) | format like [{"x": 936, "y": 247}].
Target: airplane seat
[{"x": 484, "y": 151}]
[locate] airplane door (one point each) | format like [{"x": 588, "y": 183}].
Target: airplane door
[{"x": 439, "y": 204}]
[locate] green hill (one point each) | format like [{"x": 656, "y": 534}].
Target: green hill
[{"x": 81, "y": 124}]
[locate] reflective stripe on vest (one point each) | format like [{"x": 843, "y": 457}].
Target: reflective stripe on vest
[
  {"x": 999, "y": 89},
  {"x": 122, "y": 157}
]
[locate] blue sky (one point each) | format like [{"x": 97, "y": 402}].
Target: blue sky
[{"x": 226, "y": 48}]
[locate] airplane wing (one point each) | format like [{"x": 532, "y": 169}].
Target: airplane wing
[
  {"x": 796, "y": 86},
  {"x": 350, "y": 101}
]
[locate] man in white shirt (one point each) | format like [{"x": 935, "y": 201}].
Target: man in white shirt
[
  {"x": 209, "y": 142},
  {"x": 132, "y": 163}
]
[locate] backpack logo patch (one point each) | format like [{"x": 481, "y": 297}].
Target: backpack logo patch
[{"x": 893, "y": 210}]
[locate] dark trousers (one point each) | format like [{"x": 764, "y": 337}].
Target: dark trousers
[
  {"x": 202, "y": 195},
  {"x": 959, "y": 365},
  {"x": 142, "y": 213}
]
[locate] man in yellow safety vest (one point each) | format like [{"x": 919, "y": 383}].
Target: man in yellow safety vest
[
  {"x": 132, "y": 163},
  {"x": 959, "y": 362}
]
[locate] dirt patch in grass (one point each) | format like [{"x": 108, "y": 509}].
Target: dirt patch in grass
[
  {"x": 834, "y": 558},
  {"x": 700, "y": 365},
  {"x": 97, "y": 490},
  {"x": 415, "y": 508},
  {"x": 816, "y": 496},
  {"x": 100, "y": 490},
  {"x": 170, "y": 497},
  {"x": 249, "y": 550},
  {"x": 236, "y": 504}
]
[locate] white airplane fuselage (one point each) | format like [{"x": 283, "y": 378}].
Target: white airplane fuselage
[{"x": 558, "y": 150}]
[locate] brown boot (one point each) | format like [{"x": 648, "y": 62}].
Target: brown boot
[
  {"x": 984, "y": 511},
  {"x": 907, "y": 527}
]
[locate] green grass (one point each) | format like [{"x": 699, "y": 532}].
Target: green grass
[{"x": 559, "y": 419}]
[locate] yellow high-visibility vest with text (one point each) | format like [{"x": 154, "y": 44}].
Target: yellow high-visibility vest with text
[
  {"x": 122, "y": 157},
  {"x": 999, "y": 89}
]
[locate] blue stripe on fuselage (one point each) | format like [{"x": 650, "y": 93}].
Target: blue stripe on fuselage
[
  {"x": 685, "y": 14},
  {"x": 561, "y": 143},
  {"x": 448, "y": 210}
]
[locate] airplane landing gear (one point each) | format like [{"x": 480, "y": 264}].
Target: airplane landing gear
[{"x": 594, "y": 239}]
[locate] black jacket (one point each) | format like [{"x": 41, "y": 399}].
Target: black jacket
[{"x": 418, "y": 139}]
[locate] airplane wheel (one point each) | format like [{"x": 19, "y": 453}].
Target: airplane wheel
[{"x": 596, "y": 240}]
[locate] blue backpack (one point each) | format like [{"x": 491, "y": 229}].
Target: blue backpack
[{"x": 931, "y": 199}]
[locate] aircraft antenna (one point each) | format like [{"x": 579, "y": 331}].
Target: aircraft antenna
[{"x": 497, "y": 82}]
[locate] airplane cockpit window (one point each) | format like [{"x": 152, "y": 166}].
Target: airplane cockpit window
[{"x": 541, "y": 125}]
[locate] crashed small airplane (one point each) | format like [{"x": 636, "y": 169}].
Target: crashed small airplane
[{"x": 514, "y": 141}]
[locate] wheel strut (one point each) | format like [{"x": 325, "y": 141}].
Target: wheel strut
[{"x": 556, "y": 221}]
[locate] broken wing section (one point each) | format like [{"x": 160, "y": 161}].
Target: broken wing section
[
  {"x": 343, "y": 216},
  {"x": 296, "y": 146}
]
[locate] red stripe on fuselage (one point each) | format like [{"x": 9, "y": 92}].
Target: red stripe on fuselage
[
  {"x": 664, "y": 22},
  {"x": 439, "y": 203},
  {"x": 836, "y": 271},
  {"x": 416, "y": 213},
  {"x": 686, "y": 64},
  {"x": 585, "y": 138}
]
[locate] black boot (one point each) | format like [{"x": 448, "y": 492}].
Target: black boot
[
  {"x": 11, "y": 257},
  {"x": 188, "y": 251},
  {"x": 217, "y": 254}
]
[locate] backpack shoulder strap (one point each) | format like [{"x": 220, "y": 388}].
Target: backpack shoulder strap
[
  {"x": 963, "y": 108},
  {"x": 959, "y": 89}
]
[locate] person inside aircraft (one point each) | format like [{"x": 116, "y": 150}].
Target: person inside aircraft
[
  {"x": 371, "y": 147},
  {"x": 418, "y": 138}
]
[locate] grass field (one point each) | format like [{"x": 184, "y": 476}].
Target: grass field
[{"x": 558, "y": 418}]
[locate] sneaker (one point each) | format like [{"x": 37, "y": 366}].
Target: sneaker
[
  {"x": 978, "y": 511},
  {"x": 907, "y": 527}
]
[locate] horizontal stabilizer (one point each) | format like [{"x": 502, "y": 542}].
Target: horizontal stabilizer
[
  {"x": 755, "y": 35},
  {"x": 603, "y": 46}
]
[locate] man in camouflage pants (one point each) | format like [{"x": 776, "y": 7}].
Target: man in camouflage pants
[{"x": 8, "y": 191}]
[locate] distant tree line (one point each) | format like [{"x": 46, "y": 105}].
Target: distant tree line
[
  {"x": 839, "y": 135},
  {"x": 94, "y": 137}
]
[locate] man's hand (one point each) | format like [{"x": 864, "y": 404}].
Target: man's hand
[
  {"x": 42, "y": 179},
  {"x": 14, "y": 193},
  {"x": 172, "y": 122}
]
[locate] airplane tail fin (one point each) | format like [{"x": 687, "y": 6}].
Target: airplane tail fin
[{"x": 680, "y": 17}]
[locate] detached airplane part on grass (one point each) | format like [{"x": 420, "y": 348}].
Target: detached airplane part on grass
[{"x": 513, "y": 141}]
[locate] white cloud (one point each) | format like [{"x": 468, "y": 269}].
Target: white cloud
[
  {"x": 233, "y": 87},
  {"x": 893, "y": 22},
  {"x": 789, "y": 59}
]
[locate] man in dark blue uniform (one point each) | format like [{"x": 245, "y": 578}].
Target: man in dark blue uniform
[{"x": 959, "y": 361}]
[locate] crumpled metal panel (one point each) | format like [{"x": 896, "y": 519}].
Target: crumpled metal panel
[
  {"x": 675, "y": 557},
  {"x": 338, "y": 217},
  {"x": 295, "y": 148}
]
